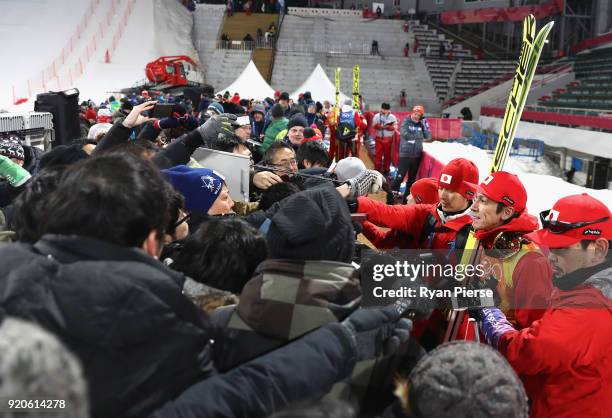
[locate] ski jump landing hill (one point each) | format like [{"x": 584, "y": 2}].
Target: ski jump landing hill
[{"x": 100, "y": 47}]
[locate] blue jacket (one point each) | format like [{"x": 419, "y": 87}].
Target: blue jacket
[{"x": 412, "y": 136}]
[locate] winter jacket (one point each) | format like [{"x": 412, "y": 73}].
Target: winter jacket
[
  {"x": 257, "y": 130},
  {"x": 325, "y": 291},
  {"x": 524, "y": 284},
  {"x": 386, "y": 240},
  {"x": 270, "y": 315},
  {"x": 429, "y": 226},
  {"x": 121, "y": 312},
  {"x": 412, "y": 136},
  {"x": 384, "y": 126},
  {"x": 302, "y": 370},
  {"x": 177, "y": 153},
  {"x": 565, "y": 358},
  {"x": 32, "y": 158},
  {"x": 272, "y": 131}
]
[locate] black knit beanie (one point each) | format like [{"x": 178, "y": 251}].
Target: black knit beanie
[{"x": 312, "y": 225}]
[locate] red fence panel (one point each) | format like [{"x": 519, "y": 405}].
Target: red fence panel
[
  {"x": 600, "y": 122},
  {"x": 500, "y": 14}
]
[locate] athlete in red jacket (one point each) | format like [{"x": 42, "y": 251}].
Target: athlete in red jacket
[
  {"x": 442, "y": 226},
  {"x": 423, "y": 191},
  {"x": 565, "y": 358},
  {"x": 521, "y": 271}
]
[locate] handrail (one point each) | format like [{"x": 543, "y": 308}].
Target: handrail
[
  {"x": 555, "y": 73},
  {"x": 462, "y": 39},
  {"x": 598, "y": 122}
]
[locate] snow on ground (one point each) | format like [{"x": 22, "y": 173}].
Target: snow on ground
[
  {"x": 155, "y": 28},
  {"x": 580, "y": 140},
  {"x": 33, "y": 34},
  {"x": 543, "y": 187}
]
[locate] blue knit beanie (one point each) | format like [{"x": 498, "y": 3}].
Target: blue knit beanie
[
  {"x": 199, "y": 186},
  {"x": 216, "y": 107}
]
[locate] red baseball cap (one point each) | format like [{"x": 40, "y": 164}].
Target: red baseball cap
[
  {"x": 505, "y": 188},
  {"x": 461, "y": 176},
  {"x": 573, "y": 219},
  {"x": 425, "y": 190},
  {"x": 418, "y": 109}
]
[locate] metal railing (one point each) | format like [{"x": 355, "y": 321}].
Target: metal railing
[{"x": 247, "y": 45}]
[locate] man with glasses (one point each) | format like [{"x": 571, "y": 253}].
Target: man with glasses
[
  {"x": 564, "y": 359},
  {"x": 281, "y": 158}
]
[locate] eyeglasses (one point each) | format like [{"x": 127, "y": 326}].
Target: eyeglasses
[
  {"x": 285, "y": 163},
  {"x": 560, "y": 227}
]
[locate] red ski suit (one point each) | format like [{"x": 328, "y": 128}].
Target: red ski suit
[
  {"x": 386, "y": 240},
  {"x": 411, "y": 219},
  {"x": 565, "y": 358},
  {"x": 524, "y": 280}
]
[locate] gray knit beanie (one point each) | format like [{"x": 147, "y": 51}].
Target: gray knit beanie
[
  {"x": 34, "y": 365},
  {"x": 463, "y": 379}
]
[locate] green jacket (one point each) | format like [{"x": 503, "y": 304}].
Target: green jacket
[{"x": 272, "y": 131}]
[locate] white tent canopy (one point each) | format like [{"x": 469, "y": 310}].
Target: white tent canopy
[
  {"x": 320, "y": 87},
  {"x": 250, "y": 84}
]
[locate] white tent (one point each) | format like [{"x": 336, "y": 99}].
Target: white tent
[
  {"x": 320, "y": 87},
  {"x": 250, "y": 84}
]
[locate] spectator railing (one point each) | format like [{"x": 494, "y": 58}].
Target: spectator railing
[
  {"x": 561, "y": 118},
  {"x": 324, "y": 12},
  {"x": 553, "y": 74}
]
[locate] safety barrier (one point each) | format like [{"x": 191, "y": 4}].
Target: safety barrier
[
  {"x": 442, "y": 129},
  {"x": 65, "y": 69},
  {"x": 323, "y": 12},
  {"x": 598, "y": 122},
  {"x": 592, "y": 42}
]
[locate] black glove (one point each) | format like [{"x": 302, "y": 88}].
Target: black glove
[
  {"x": 214, "y": 126},
  {"x": 377, "y": 331}
]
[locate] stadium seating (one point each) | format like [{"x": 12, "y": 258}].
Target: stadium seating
[
  {"x": 469, "y": 74},
  {"x": 344, "y": 42},
  {"x": 225, "y": 66},
  {"x": 208, "y": 19},
  {"x": 592, "y": 89}
]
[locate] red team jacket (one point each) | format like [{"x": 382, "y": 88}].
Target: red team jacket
[
  {"x": 412, "y": 219},
  {"x": 565, "y": 358}
]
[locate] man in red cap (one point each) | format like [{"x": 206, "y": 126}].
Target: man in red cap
[
  {"x": 423, "y": 191},
  {"x": 522, "y": 273},
  {"x": 436, "y": 226},
  {"x": 564, "y": 359}
]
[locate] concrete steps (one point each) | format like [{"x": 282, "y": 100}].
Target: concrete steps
[
  {"x": 226, "y": 66},
  {"x": 207, "y": 23}
]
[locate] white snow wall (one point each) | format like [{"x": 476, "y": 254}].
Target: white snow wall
[
  {"x": 173, "y": 27},
  {"x": 155, "y": 28}
]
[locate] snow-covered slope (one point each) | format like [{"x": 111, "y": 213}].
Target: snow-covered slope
[
  {"x": 33, "y": 34},
  {"x": 155, "y": 28},
  {"x": 543, "y": 190}
]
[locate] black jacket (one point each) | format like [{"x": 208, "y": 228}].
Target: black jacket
[
  {"x": 177, "y": 153},
  {"x": 140, "y": 341},
  {"x": 304, "y": 370}
]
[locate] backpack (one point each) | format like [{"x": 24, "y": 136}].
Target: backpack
[{"x": 346, "y": 130}]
